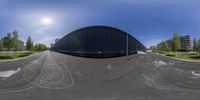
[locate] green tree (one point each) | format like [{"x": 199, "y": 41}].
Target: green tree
[
  {"x": 198, "y": 46},
  {"x": 29, "y": 44},
  {"x": 159, "y": 47},
  {"x": 40, "y": 47},
  {"x": 195, "y": 46},
  {"x": 153, "y": 48},
  {"x": 1, "y": 46},
  {"x": 36, "y": 47},
  {"x": 43, "y": 47},
  {"x": 15, "y": 40},
  {"x": 163, "y": 46},
  {"x": 7, "y": 41},
  {"x": 175, "y": 42}
]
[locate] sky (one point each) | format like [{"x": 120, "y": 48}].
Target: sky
[{"x": 149, "y": 21}]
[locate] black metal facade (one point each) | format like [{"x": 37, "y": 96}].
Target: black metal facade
[{"x": 98, "y": 41}]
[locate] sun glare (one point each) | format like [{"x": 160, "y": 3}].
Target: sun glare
[{"x": 46, "y": 21}]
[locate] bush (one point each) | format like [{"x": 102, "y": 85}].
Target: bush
[
  {"x": 23, "y": 55},
  {"x": 192, "y": 54},
  {"x": 195, "y": 57},
  {"x": 15, "y": 55},
  {"x": 6, "y": 57},
  {"x": 161, "y": 52},
  {"x": 171, "y": 55}
]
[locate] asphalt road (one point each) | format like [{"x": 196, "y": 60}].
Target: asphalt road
[{"x": 55, "y": 76}]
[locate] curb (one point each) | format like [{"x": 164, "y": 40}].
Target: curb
[
  {"x": 178, "y": 58},
  {"x": 20, "y": 58}
]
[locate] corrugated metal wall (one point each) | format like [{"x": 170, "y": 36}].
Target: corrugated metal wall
[{"x": 97, "y": 40}]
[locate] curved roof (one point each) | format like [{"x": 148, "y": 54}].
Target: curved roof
[{"x": 97, "y": 41}]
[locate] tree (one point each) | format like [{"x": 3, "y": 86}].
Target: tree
[
  {"x": 153, "y": 48},
  {"x": 1, "y": 46},
  {"x": 40, "y": 47},
  {"x": 175, "y": 42},
  {"x": 7, "y": 41},
  {"x": 159, "y": 46},
  {"x": 195, "y": 46},
  {"x": 29, "y": 44},
  {"x": 36, "y": 47},
  {"x": 43, "y": 47},
  {"x": 15, "y": 40},
  {"x": 198, "y": 46},
  {"x": 163, "y": 46}
]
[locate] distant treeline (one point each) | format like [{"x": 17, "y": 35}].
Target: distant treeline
[{"x": 11, "y": 42}]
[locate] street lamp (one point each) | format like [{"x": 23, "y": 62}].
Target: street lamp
[{"x": 127, "y": 44}]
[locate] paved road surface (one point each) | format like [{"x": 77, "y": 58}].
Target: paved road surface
[{"x": 54, "y": 76}]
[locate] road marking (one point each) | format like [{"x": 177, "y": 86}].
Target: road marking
[
  {"x": 159, "y": 63},
  {"x": 51, "y": 75},
  {"x": 195, "y": 73},
  {"x": 109, "y": 66},
  {"x": 5, "y": 74}
]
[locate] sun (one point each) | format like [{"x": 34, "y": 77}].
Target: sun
[{"x": 46, "y": 21}]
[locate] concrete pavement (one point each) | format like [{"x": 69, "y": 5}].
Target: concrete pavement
[{"x": 51, "y": 76}]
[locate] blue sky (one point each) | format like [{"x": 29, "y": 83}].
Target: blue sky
[{"x": 150, "y": 21}]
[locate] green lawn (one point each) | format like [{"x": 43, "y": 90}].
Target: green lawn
[
  {"x": 14, "y": 55},
  {"x": 187, "y": 56}
]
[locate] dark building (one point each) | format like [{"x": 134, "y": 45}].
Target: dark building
[
  {"x": 98, "y": 41},
  {"x": 51, "y": 45},
  {"x": 185, "y": 42},
  {"x": 56, "y": 40}
]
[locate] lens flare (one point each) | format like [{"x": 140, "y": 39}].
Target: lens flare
[{"x": 47, "y": 21}]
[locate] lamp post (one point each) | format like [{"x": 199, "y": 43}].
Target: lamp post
[{"x": 127, "y": 44}]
